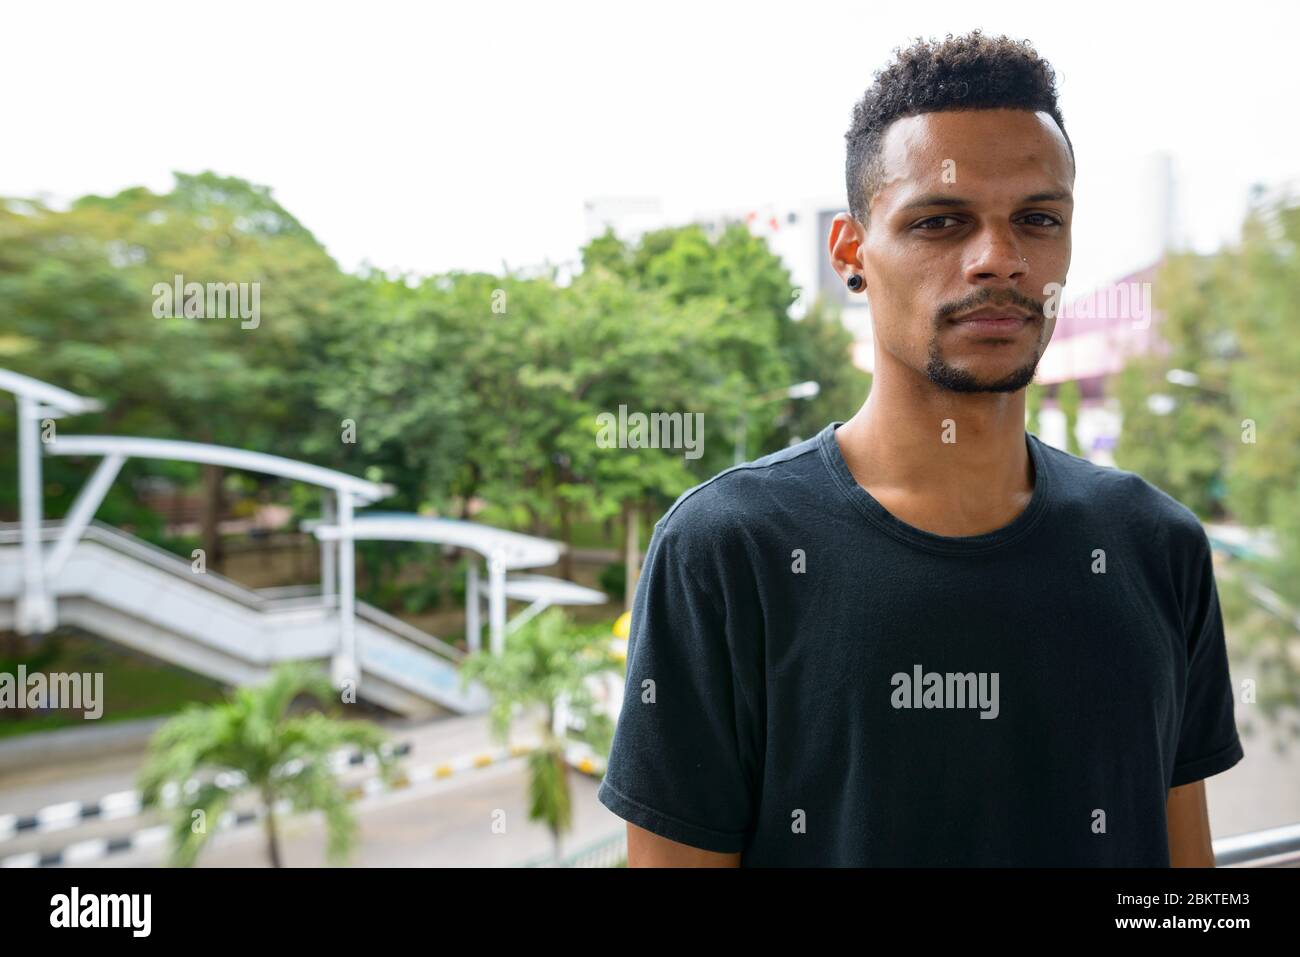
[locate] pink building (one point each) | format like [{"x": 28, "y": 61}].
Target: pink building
[{"x": 1096, "y": 333}]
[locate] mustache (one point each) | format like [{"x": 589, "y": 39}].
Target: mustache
[{"x": 987, "y": 297}]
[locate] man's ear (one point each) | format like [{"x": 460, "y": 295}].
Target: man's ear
[{"x": 845, "y": 247}]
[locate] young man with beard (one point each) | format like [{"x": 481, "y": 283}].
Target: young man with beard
[{"x": 786, "y": 696}]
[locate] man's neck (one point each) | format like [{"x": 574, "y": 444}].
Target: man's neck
[{"x": 946, "y": 462}]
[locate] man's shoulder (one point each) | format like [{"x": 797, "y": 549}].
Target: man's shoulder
[
  {"x": 736, "y": 497},
  {"x": 1124, "y": 496}
]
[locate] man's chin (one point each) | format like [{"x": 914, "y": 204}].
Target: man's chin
[{"x": 954, "y": 379}]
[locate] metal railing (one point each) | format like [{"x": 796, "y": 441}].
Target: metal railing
[
  {"x": 607, "y": 852},
  {"x": 412, "y": 634},
  {"x": 1275, "y": 847},
  {"x": 268, "y": 600},
  {"x": 146, "y": 552}
]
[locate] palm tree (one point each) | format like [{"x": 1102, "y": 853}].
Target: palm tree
[
  {"x": 547, "y": 660},
  {"x": 278, "y": 755}
]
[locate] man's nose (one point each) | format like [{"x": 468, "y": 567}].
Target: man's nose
[{"x": 995, "y": 256}]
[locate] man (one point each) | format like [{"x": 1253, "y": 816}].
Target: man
[{"x": 924, "y": 637}]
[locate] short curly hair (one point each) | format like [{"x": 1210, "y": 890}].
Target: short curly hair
[{"x": 972, "y": 72}]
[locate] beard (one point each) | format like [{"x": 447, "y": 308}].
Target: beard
[
  {"x": 952, "y": 379},
  {"x": 949, "y": 377}
]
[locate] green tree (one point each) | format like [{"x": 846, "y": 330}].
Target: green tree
[
  {"x": 1033, "y": 407},
  {"x": 1175, "y": 435},
  {"x": 546, "y": 661},
  {"x": 77, "y": 290},
  {"x": 679, "y": 322},
  {"x": 1257, "y": 365},
  {"x": 476, "y": 387},
  {"x": 1068, "y": 398},
  {"x": 273, "y": 753},
  {"x": 819, "y": 348},
  {"x": 1224, "y": 436}
]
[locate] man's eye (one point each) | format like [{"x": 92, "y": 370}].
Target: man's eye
[
  {"x": 935, "y": 222},
  {"x": 1050, "y": 220}
]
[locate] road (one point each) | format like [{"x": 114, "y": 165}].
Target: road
[
  {"x": 443, "y": 822},
  {"x": 449, "y": 822}
]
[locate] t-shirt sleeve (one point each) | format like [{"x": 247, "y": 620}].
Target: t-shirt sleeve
[
  {"x": 682, "y": 761},
  {"x": 1207, "y": 742}
]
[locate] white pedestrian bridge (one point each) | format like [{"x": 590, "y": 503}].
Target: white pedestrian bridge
[{"x": 80, "y": 572}]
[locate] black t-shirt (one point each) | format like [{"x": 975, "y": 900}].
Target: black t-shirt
[{"x": 812, "y": 681}]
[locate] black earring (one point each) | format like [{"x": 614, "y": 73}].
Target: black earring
[{"x": 855, "y": 282}]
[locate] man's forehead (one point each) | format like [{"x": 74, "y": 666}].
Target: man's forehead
[{"x": 985, "y": 145}]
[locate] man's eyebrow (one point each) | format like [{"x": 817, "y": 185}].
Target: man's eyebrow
[
  {"x": 1053, "y": 196},
  {"x": 942, "y": 199}
]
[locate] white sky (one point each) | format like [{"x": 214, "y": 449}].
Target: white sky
[{"x": 432, "y": 137}]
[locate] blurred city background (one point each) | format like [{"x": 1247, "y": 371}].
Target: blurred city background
[{"x": 342, "y": 542}]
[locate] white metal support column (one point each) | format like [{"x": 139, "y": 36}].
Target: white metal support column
[
  {"x": 473, "y": 609},
  {"x": 497, "y": 603},
  {"x": 83, "y": 510},
  {"x": 345, "y": 661},
  {"x": 35, "y": 612},
  {"x": 527, "y": 615},
  {"x": 328, "y": 551}
]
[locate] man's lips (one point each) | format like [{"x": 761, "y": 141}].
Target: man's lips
[{"x": 993, "y": 319}]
